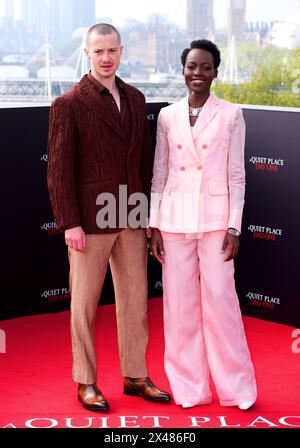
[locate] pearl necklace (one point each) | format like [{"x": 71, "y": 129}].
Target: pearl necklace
[{"x": 194, "y": 111}]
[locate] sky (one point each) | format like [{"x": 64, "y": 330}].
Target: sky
[{"x": 257, "y": 10}]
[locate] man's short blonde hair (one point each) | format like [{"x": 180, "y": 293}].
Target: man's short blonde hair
[{"x": 101, "y": 29}]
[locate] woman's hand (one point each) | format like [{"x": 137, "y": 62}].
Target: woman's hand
[
  {"x": 157, "y": 246},
  {"x": 231, "y": 244}
]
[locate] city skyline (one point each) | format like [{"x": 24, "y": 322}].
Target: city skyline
[{"x": 175, "y": 10}]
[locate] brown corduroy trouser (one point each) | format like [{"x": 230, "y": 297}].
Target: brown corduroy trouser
[{"x": 126, "y": 253}]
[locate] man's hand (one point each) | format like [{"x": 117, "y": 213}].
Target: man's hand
[
  {"x": 231, "y": 244},
  {"x": 75, "y": 238},
  {"x": 157, "y": 246}
]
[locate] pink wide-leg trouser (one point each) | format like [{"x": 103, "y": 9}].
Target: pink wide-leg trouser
[{"x": 203, "y": 327}]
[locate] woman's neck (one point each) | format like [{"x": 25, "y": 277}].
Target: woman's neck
[{"x": 198, "y": 99}]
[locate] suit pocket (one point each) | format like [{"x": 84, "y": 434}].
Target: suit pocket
[
  {"x": 218, "y": 188},
  {"x": 217, "y": 201}
]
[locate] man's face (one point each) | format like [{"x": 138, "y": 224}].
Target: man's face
[{"x": 105, "y": 54}]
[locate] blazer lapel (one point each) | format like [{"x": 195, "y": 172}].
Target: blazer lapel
[
  {"x": 210, "y": 109},
  {"x": 183, "y": 123},
  {"x": 135, "y": 114},
  {"x": 89, "y": 96}
]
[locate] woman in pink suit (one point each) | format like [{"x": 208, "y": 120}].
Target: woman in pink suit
[{"x": 196, "y": 212}]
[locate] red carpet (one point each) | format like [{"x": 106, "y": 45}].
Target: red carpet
[{"x": 36, "y": 389}]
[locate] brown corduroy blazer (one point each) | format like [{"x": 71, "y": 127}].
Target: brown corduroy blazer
[{"x": 88, "y": 154}]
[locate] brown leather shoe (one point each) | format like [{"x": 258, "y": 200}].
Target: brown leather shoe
[
  {"x": 144, "y": 388},
  {"x": 91, "y": 398}
]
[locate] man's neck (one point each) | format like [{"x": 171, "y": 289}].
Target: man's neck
[{"x": 109, "y": 83}]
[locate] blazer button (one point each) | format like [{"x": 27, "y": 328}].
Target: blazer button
[
  {"x": 199, "y": 167},
  {"x": 204, "y": 146},
  {"x": 182, "y": 168},
  {"x": 179, "y": 146}
]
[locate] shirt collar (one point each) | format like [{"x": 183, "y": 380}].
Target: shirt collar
[{"x": 101, "y": 88}]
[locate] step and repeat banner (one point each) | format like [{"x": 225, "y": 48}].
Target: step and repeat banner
[
  {"x": 268, "y": 265},
  {"x": 34, "y": 265}
]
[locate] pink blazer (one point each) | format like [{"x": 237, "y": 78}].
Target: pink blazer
[{"x": 198, "y": 182}]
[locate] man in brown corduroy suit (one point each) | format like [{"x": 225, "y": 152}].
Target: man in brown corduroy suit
[{"x": 98, "y": 140}]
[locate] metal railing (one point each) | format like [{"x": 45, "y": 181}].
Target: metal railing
[{"x": 35, "y": 90}]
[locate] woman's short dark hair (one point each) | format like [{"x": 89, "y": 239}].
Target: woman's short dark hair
[{"x": 206, "y": 45}]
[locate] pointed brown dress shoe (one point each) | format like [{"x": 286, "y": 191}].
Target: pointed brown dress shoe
[
  {"x": 91, "y": 398},
  {"x": 143, "y": 387}
]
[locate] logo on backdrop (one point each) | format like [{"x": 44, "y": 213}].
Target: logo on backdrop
[
  {"x": 265, "y": 233},
  {"x": 156, "y": 421},
  {"x": 267, "y": 164},
  {"x": 263, "y": 300},
  {"x": 56, "y": 295},
  {"x": 151, "y": 117},
  {"x": 50, "y": 228},
  {"x": 44, "y": 158}
]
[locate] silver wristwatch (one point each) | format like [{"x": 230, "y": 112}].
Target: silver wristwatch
[{"x": 233, "y": 231}]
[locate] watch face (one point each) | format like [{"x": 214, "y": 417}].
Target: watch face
[{"x": 233, "y": 232}]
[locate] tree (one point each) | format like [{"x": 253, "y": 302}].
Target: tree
[{"x": 275, "y": 82}]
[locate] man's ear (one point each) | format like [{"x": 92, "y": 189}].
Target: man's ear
[{"x": 86, "y": 52}]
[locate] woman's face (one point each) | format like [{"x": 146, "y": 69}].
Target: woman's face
[{"x": 199, "y": 71}]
